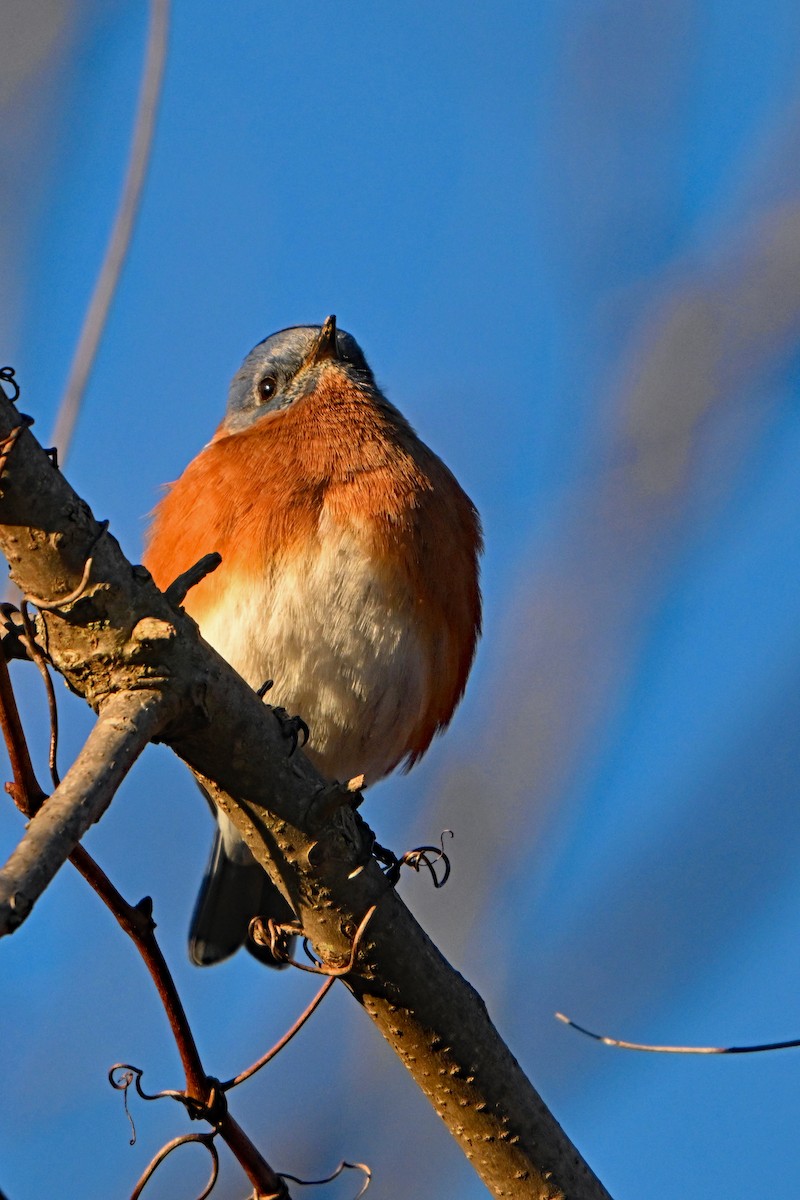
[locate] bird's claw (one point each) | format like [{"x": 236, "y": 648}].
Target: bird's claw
[{"x": 291, "y": 727}]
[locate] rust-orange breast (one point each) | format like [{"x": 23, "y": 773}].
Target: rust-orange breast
[{"x": 337, "y": 473}]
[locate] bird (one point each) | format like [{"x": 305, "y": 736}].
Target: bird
[{"x": 349, "y": 577}]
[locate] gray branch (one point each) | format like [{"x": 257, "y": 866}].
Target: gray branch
[
  {"x": 119, "y": 634},
  {"x": 127, "y": 722}
]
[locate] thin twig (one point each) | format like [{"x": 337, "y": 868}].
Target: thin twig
[
  {"x": 39, "y": 659},
  {"x": 120, "y": 237},
  {"x": 343, "y": 1166},
  {"x": 137, "y": 922},
  {"x": 622, "y": 1045},
  {"x": 284, "y": 1041},
  {"x": 205, "y": 1139},
  {"x": 25, "y": 790}
]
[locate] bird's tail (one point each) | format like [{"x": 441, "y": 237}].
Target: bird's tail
[{"x": 234, "y": 890}]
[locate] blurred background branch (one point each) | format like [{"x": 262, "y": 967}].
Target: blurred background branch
[{"x": 122, "y": 230}]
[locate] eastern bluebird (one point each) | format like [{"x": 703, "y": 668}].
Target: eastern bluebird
[{"x": 349, "y": 576}]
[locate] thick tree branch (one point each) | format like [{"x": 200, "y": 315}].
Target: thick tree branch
[{"x": 120, "y": 633}]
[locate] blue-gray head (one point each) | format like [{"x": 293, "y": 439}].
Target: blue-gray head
[{"x": 287, "y": 365}]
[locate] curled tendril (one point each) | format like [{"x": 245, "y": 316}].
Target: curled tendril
[
  {"x": 134, "y": 1075},
  {"x": 7, "y": 376},
  {"x": 121, "y": 1084},
  {"x": 212, "y": 1110},
  {"x": 428, "y": 856},
  {"x": 63, "y": 601},
  {"x": 273, "y": 934},
  {"x": 122, "y": 1075},
  {"x": 421, "y": 856},
  {"x": 343, "y": 1166},
  {"x": 205, "y": 1139}
]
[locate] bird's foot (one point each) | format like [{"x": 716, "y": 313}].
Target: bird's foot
[
  {"x": 291, "y": 728},
  {"x": 390, "y": 863}
]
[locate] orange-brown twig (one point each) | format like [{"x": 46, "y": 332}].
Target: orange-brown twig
[
  {"x": 284, "y": 1041},
  {"x": 343, "y": 1166},
  {"x": 204, "y": 1139},
  {"x": 25, "y": 790}
]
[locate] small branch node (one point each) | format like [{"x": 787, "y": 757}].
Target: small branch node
[
  {"x": 178, "y": 590},
  {"x": 145, "y": 907},
  {"x": 329, "y": 798}
]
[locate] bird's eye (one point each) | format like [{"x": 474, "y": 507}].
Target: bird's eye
[{"x": 267, "y": 388}]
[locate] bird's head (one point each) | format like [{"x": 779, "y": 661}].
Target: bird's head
[{"x": 288, "y": 366}]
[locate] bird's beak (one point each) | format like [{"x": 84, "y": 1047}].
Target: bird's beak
[{"x": 325, "y": 348}]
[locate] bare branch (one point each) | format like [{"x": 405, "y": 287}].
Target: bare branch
[{"x": 125, "y": 726}]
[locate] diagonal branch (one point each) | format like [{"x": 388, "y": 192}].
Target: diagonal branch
[
  {"x": 121, "y": 634},
  {"x": 125, "y": 726}
]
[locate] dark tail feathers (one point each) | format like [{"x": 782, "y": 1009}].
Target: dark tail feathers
[{"x": 231, "y": 894}]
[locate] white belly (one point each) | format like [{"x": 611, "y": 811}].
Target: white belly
[{"x": 339, "y": 642}]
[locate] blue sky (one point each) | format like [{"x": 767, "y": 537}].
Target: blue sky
[{"x": 567, "y": 236}]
